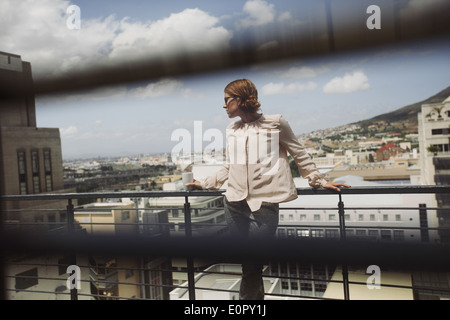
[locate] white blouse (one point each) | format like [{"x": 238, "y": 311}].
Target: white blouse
[{"x": 257, "y": 165}]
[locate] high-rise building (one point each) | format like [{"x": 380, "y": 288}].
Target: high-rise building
[
  {"x": 30, "y": 157},
  {"x": 30, "y": 163}
]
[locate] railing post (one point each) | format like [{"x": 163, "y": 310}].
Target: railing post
[
  {"x": 72, "y": 255},
  {"x": 343, "y": 238},
  {"x": 189, "y": 260}
]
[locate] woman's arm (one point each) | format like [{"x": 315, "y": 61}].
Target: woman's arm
[
  {"x": 213, "y": 182},
  {"x": 306, "y": 166}
]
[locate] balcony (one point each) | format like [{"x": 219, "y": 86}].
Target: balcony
[
  {"x": 319, "y": 260},
  {"x": 310, "y": 259}
]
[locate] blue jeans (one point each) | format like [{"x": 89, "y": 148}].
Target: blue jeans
[{"x": 245, "y": 224}]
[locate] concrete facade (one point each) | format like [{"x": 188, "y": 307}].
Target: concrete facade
[{"x": 30, "y": 157}]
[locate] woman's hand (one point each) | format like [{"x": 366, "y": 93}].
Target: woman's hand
[
  {"x": 335, "y": 186},
  {"x": 195, "y": 185}
]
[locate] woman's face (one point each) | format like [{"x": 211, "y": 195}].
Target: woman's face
[{"x": 231, "y": 106}]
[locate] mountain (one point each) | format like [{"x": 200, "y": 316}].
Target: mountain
[{"x": 408, "y": 113}]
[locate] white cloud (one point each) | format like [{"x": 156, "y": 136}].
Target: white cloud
[
  {"x": 259, "y": 13},
  {"x": 356, "y": 81},
  {"x": 281, "y": 88},
  {"x": 69, "y": 131},
  {"x": 285, "y": 16},
  {"x": 37, "y": 31},
  {"x": 191, "y": 30},
  {"x": 160, "y": 88}
]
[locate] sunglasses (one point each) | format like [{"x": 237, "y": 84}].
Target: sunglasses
[{"x": 228, "y": 99}]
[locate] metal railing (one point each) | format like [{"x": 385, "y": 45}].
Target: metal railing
[{"x": 343, "y": 251}]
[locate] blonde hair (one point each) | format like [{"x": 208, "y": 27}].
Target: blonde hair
[{"x": 246, "y": 92}]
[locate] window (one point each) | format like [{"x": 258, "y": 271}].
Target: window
[
  {"x": 290, "y": 233},
  {"x": 360, "y": 233},
  {"x": 317, "y": 217},
  {"x": 320, "y": 287},
  {"x": 317, "y": 233},
  {"x": 26, "y": 279},
  {"x": 398, "y": 217},
  {"x": 332, "y": 233},
  {"x": 304, "y": 271},
  {"x": 373, "y": 234},
  {"x": 125, "y": 215},
  {"x": 440, "y": 131},
  {"x": 294, "y": 285},
  {"x": 22, "y": 172},
  {"x": 274, "y": 267},
  {"x": 303, "y": 233},
  {"x": 372, "y": 217},
  {"x": 332, "y": 217},
  {"x": 361, "y": 217},
  {"x": 385, "y": 217},
  {"x": 385, "y": 235},
  {"x": 129, "y": 273},
  {"x": 35, "y": 171},
  {"x": 442, "y": 147},
  {"x": 48, "y": 170},
  {"x": 399, "y": 235},
  {"x": 306, "y": 286},
  {"x": 292, "y": 268}
]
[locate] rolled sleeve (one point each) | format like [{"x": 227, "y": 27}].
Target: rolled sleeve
[
  {"x": 215, "y": 181},
  {"x": 306, "y": 166}
]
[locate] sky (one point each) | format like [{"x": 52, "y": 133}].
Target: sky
[{"x": 143, "y": 118}]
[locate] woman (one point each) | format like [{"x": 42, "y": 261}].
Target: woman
[{"x": 258, "y": 174}]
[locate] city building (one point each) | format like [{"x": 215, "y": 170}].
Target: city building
[
  {"x": 31, "y": 163},
  {"x": 118, "y": 277},
  {"x": 434, "y": 134},
  {"x": 43, "y": 278},
  {"x": 30, "y": 157},
  {"x": 318, "y": 216},
  {"x": 434, "y": 142},
  {"x": 222, "y": 281},
  {"x": 387, "y": 151},
  {"x": 207, "y": 218}
]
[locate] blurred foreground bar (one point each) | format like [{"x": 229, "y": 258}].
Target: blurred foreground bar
[{"x": 423, "y": 256}]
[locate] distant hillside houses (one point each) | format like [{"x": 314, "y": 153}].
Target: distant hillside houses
[{"x": 387, "y": 151}]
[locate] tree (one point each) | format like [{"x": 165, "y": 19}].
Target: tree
[{"x": 433, "y": 149}]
